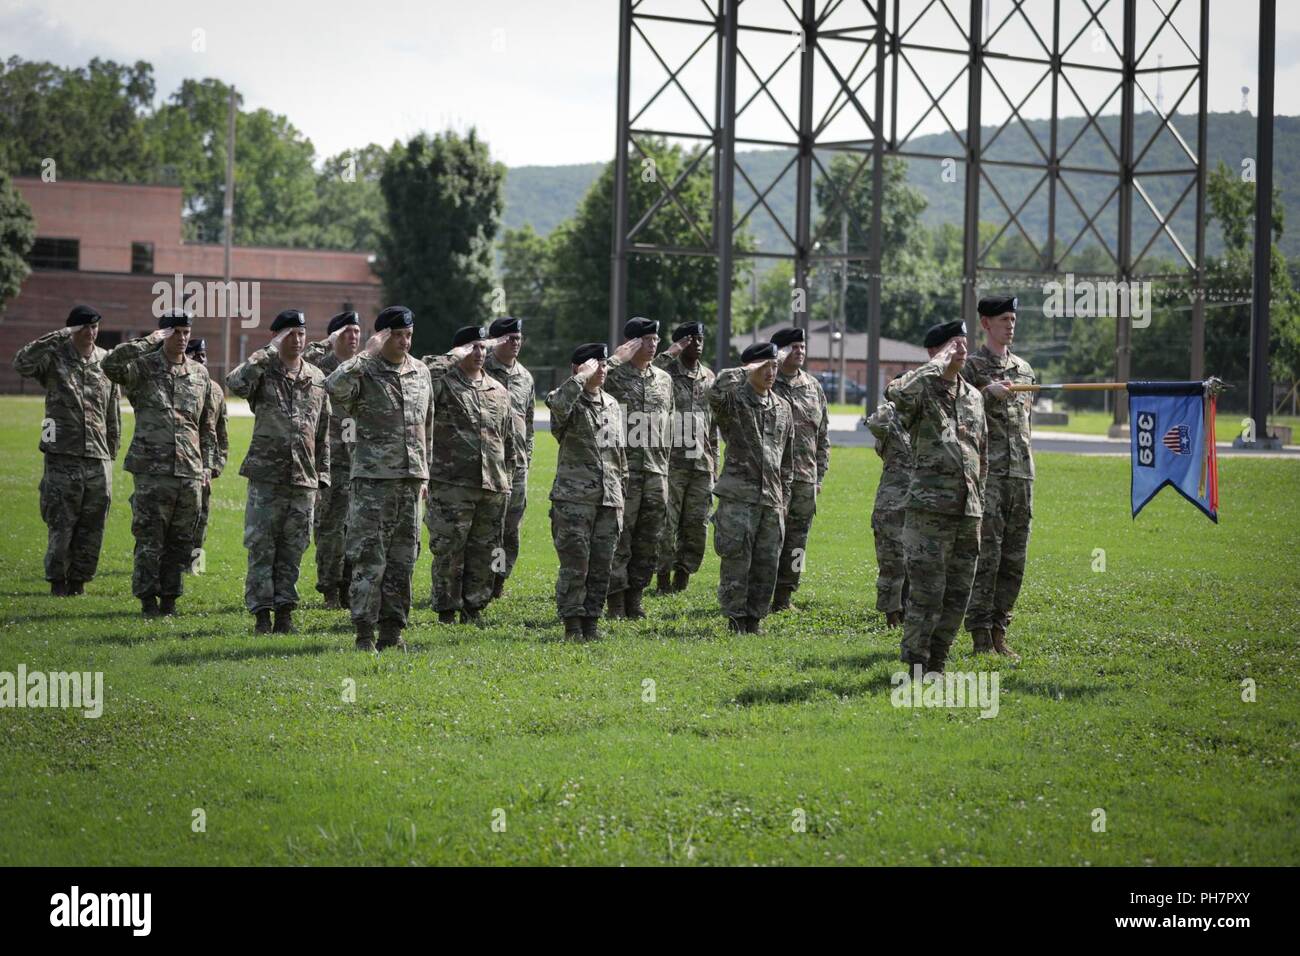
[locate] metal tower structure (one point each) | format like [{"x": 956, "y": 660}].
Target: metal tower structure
[{"x": 842, "y": 85}]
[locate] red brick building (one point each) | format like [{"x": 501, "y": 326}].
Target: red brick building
[{"x": 108, "y": 244}]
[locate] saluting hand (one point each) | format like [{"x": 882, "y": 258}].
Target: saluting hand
[
  {"x": 628, "y": 349},
  {"x": 280, "y": 337},
  {"x": 676, "y": 348},
  {"x": 586, "y": 370},
  {"x": 376, "y": 342}
]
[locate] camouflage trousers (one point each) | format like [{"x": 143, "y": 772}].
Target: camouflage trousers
[
  {"x": 383, "y": 541},
  {"x": 277, "y": 528},
  {"x": 75, "y": 495},
  {"x": 941, "y": 554},
  {"x": 891, "y": 559},
  {"x": 748, "y": 539},
  {"x": 645, "y": 510},
  {"x": 333, "y": 572},
  {"x": 164, "y": 511},
  {"x": 585, "y": 537},
  {"x": 205, "y": 511},
  {"x": 690, "y": 495},
  {"x": 798, "y": 522},
  {"x": 514, "y": 517},
  {"x": 465, "y": 538},
  {"x": 1004, "y": 544}
]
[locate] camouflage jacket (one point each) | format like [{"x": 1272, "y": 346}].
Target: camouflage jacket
[
  {"x": 592, "y": 464},
  {"x": 291, "y": 420},
  {"x": 759, "y": 465},
  {"x": 80, "y": 400},
  {"x": 391, "y": 408},
  {"x": 895, "y": 450},
  {"x": 221, "y": 447},
  {"x": 812, "y": 450},
  {"x": 175, "y": 417},
  {"x": 473, "y": 428},
  {"x": 944, "y": 422},
  {"x": 647, "y": 401},
  {"x": 321, "y": 354},
  {"x": 692, "y": 416},
  {"x": 518, "y": 381},
  {"x": 1008, "y": 418}
]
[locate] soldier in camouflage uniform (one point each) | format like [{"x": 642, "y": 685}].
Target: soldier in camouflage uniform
[
  {"x": 754, "y": 489},
  {"x": 79, "y": 438},
  {"x": 1009, "y": 491},
  {"x": 333, "y": 573},
  {"x": 692, "y": 465},
  {"x": 895, "y": 450},
  {"x": 503, "y": 364},
  {"x": 288, "y": 460},
  {"x": 587, "y": 494},
  {"x": 470, "y": 474},
  {"x": 943, "y": 416},
  {"x": 173, "y": 445},
  {"x": 389, "y": 397},
  {"x": 198, "y": 350},
  {"x": 812, "y": 452},
  {"x": 646, "y": 396}
]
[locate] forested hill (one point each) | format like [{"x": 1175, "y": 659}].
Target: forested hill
[{"x": 547, "y": 195}]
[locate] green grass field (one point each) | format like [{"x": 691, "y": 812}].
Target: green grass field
[{"x": 1129, "y": 700}]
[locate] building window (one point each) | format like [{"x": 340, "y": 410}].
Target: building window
[
  {"x": 56, "y": 254},
  {"x": 142, "y": 257}
]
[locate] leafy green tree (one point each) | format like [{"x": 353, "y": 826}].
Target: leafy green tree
[
  {"x": 349, "y": 211},
  {"x": 89, "y": 120},
  {"x": 672, "y": 289},
  {"x": 444, "y": 200},
  {"x": 17, "y": 234},
  {"x": 275, "y": 180}
]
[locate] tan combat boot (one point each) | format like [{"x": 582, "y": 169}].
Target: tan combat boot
[
  {"x": 390, "y": 635},
  {"x": 983, "y": 642},
  {"x": 573, "y": 628},
  {"x": 591, "y": 628},
  {"x": 681, "y": 578},
  {"x": 365, "y": 638},
  {"x": 1000, "y": 645},
  {"x": 781, "y": 599},
  {"x": 663, "y": 583}
]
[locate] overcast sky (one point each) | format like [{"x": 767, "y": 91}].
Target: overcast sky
[{"x": 537, "y": 77}]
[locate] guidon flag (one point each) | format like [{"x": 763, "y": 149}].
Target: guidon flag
[{"x": 1171, "y": 428}]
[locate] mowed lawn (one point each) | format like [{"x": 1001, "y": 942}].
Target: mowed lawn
[{"x": 1129, "y": 701}]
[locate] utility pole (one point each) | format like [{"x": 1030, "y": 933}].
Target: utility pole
[
  {"x": 228, "y": 225},
  {"x": 844, "y": 294},
  {"x": 1260, "y": 382}
]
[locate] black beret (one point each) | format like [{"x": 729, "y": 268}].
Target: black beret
[
  {"x": 175, "y": 317},
  {"x": 196, "y": 345},
  {"x": 343, "y": 319},
  {"x": 394, "y": 317},
  {"x": 592, "y": 350},
  {"x": 468, "y": 334},
  {"x": 996, "y": 304},
  {"x": 687, "y": 329},
  {"x": 637, "y": 327},
  {"x": 289, "y": 319},
  {"x": 941, "y": 333},
  {"x": 758, "y": 352},
  {"x": 505, "y": 326},
  {"x": 81, "y": 315},
  {"x": 783, "y": 337}
]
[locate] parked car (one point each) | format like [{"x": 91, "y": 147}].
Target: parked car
[{"x": 853, "y": 392}]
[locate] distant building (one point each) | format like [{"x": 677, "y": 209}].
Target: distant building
[
  {"x": 895, "y": 356},
  {"x": 107, "y": 244}
]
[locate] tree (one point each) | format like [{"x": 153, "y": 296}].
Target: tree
[
  {"x": 275, "y": 180},
  {"x": 89, "y": 121},
  {"x": 17, "y": 234},
  {"x": 672, "y": 289},
  {"x": 444, "y": 201},
  {"x": 349, "y": 211}
]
